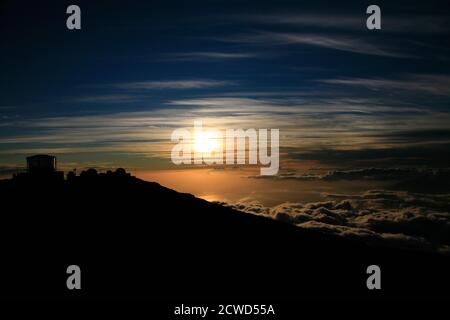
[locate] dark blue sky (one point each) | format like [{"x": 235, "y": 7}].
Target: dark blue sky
[{"x": 114, "y": 89}]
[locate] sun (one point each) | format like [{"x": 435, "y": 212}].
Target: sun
[{"x": 206, "y": 142}]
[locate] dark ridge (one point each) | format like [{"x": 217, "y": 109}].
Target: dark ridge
[{"x": 133, "y": 238}]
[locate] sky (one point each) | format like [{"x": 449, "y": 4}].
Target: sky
[
  {"x": 363, "y": 115},
  {"x": 111, "y": 93}
]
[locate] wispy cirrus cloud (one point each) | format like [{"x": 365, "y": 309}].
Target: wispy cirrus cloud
[
  {"x": 337, "y": 42},
  {"x": 174, "y": 84},
  {"x": 113, "y": 98},
  {"x": 209, "y": 55},
  {"x": 310, "y": 20},
  {"x": 435, "y": 84},
  {"x": 307, "y": 124},
  {"x": 423, "y": 24}
]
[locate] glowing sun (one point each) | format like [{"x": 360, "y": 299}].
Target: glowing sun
[{"x": 206, "y": 141}]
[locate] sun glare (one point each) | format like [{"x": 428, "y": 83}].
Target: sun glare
[{"x": 206, "y": 142}]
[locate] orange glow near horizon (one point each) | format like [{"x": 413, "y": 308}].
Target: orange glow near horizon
[{"x": 236, "y": 185}]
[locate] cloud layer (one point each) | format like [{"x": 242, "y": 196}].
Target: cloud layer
[
  {"x": 400, "y": 219},
  {"x": 365, "y": 174}
]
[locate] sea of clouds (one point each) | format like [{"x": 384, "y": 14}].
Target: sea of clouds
[{"x": 394, "y": 218}]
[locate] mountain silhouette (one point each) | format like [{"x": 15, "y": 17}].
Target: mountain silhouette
[{"x": 133, "y": 238}]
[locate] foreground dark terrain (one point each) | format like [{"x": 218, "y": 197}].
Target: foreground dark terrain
[{"x": 133, "y": 238}]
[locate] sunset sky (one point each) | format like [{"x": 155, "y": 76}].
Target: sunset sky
[{"x": 111, "y": 94}]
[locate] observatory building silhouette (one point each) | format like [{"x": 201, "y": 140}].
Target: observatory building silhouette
[
  {"x": 40, "y": 168},
  {"x": 41, "y": 163}
]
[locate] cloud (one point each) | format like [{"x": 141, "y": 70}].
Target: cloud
[
  {"x": 408, "y": 179},
  {"x": 337, "y": 42},
  {"x": 363, "y": 174},
  {"x": 205, "y": 55},
  {"x": 312, "y": 128},
  {"x": 296, "y": 104},
  {"x": 354, "y": 22},
  {"x": 423, "y": 24},
  {"x": 173, "y": 84},
  {"x": 113, "y": 98},
  {"x": 400, "y": 219},
  {"x": 435, "y": 84},
  {"x": 421, "y": 151}
]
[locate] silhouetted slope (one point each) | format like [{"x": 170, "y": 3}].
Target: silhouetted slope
[{"x": 136, "y": 238}]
